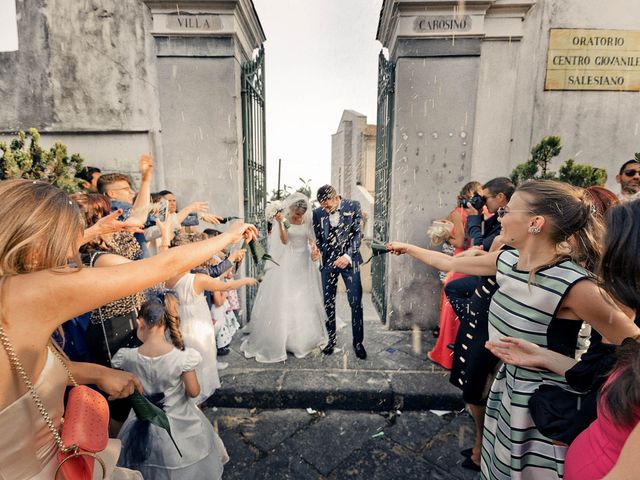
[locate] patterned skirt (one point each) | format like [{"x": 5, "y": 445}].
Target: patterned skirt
[{"x": 512, "y": 446}]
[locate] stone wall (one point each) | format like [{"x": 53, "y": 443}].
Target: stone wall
[
  {"x": 599, "y": 128},
  {"x": 432, "y": 158},
  {"x": 82, "y": 66}
]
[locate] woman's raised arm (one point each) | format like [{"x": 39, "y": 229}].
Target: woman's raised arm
[
  {"x": 53, "y": 297},
  {"x": 481, "y": 265}
]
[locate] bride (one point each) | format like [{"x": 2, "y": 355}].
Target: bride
[{"x": 288, "y": 314}]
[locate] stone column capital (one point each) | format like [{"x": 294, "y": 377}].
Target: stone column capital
[
  {"x": 209, "y": 18},
  {"x": 446, "y": 19}
]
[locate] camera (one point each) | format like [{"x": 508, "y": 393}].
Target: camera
[{"x": 477, "y": 202}]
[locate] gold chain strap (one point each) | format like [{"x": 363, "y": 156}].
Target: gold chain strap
[{"x": 15, "y": 362}]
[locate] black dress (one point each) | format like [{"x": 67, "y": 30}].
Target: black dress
[{"x": 474, "y": 366}]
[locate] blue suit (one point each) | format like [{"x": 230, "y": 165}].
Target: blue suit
[{"x": 334, "y": 242}]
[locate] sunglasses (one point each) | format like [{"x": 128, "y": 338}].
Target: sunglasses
[
  {"x": 631, "y": 172},
  {"x": 501, "y": 212}
]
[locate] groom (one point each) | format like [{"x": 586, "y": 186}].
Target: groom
[{"x": 337, "y": 228}]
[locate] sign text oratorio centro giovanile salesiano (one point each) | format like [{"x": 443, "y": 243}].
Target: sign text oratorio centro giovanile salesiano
[{"x": 581, "y": 59}]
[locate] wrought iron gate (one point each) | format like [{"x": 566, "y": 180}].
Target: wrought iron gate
[
  {"x": 254, "y": 153},
  {"x": 384, "y": 142}
]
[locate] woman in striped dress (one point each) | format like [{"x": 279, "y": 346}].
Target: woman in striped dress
[{"x": 543, "y": 297}]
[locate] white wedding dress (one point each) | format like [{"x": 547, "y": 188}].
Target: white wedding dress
[{"x": 288, "y": 314}]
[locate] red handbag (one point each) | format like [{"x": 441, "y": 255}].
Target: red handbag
[
  {"x": 86, "y": 430},
  {"x": 85, "y": 427}
]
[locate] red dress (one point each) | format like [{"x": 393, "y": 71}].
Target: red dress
[
  {"x": 595, "y": 451},
  {"x": 449, "y": 322}
]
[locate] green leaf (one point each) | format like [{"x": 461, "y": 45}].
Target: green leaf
[
  {"x": 258, "y": 253},
  {"x": 148, "y": 412}
]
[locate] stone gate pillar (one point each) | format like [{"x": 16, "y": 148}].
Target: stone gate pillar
[
  {"x": 200, "y": 47},
  {"x": 455, "y": 78}
]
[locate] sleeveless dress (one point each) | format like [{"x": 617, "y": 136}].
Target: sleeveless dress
[
  {"x": 198, "y": 332},
  {"x": 202, "y": 450},
  {"x": 288, "y": 314},
  {"x": 512, "y": 447},
  {"x": 27, "y": 448}
]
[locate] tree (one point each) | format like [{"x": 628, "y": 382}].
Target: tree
[
  {"x": 537, "y": 167},
  {"x": 24, "y": 157},
  {"x": 581, "y": 175}
]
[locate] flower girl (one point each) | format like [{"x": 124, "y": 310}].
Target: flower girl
[
  {"x": 167, "y": 372},
  {"x": 196, "y": 325}
]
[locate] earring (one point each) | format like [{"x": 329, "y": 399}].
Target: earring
[{"x": 534, "y": 230}]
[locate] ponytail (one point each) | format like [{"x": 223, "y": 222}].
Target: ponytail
[
  {"x": 161, "y": 309},
  {"x": 571, "y": 217},
  {"x": 588, "y": 239},
  {"x": 172, "y": 320}
]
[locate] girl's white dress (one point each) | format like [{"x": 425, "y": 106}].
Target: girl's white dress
[
  {"x": 198, "y": 332},
  {"x": 288, "y": 314},
  {"x": 203, "y": 453}
]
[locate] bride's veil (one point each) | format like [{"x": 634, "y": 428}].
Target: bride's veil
[{"x": 276, "y": 248}]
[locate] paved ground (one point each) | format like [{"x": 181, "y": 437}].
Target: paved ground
[
  {"x": 337, "y": 417},
  {"x": 396, "y": 374},
  {"x": 338, "y": 444}
]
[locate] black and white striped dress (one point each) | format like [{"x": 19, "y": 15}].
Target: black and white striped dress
[{"x": 512, "y": 447}]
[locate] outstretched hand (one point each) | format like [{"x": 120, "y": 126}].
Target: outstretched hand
[
  {"x": 516, "y": 351},
  {"x": 166, "y": 229},
  {"x": 146, "y": 165},
  {"x": 199, "y": 207},
  {"x": 110, "y": 224},
  {"x": 237, "y": 256},
  {"x": 211, "y": 218},
  {"x": 238, "y": 230},
  {"x": 250, "y": 281},
  {"x": 118, "y": 384},
  {"x": 397, "y": 248}
]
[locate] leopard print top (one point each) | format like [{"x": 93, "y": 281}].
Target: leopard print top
[{"x": 125, "y": 245}]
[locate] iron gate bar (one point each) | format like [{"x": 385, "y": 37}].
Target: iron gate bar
[
  {"x": 254, "y": 156},
  {"x": 384, "y": 141}
]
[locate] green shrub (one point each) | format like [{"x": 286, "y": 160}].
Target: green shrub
[
  {"x": 23, "y": 157},
  {"x": 537, "y": 167}
]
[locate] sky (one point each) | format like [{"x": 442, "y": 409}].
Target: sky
[{"x": 321, "y": 58}]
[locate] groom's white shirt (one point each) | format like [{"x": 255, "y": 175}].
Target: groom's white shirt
[{"x": 334, "y": 221}]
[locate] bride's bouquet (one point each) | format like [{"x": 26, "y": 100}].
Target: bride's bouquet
[{"x": 274, "y": 207}]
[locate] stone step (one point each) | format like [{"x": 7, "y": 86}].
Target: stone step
[{"x": 370, "y": 390}]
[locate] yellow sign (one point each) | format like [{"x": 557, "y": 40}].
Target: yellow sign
[{"x": 581, "y": 59}]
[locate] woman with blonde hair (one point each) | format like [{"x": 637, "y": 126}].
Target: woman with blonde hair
[
  {"x": 42, "y": 229},
  {"x": 544, "y": 295}
]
